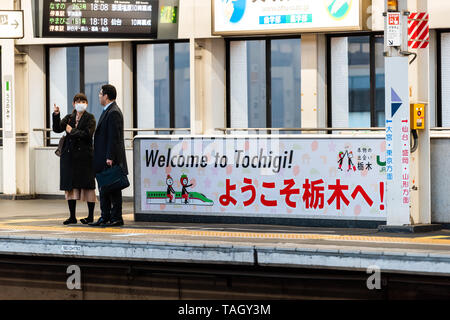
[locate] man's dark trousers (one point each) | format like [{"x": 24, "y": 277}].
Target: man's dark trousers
[
  {"x": 109, "y": 144},
  {"x": 111, "y": 205}
]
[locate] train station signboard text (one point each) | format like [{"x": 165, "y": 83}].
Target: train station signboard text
[{"x": 285, "y": 177}]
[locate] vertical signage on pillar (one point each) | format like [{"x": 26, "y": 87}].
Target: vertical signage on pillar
[
  {"x": 8, "y": 106},
  {"x": 397, "y": 140},
  {"x": 394, "y": 31}
]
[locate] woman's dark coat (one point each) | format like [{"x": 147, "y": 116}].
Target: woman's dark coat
[{"x": 76, "y": 163}]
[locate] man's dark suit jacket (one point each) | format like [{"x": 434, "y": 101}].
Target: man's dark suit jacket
[{"x": 108, "y": 140}]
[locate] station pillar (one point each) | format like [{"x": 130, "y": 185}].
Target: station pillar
[
  {"x": 15, "y": 119},
  {"x": 8, "y": 121},
  {"x": 407, "y": 164}
]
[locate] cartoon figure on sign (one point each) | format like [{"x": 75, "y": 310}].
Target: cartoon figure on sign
[
  {"x": 184, "y": 184},
  {"x": 171, "y": 197},
  {"x": 170, "y": 190},
  {"x": 341, "y": 159},
  {"x": 342, "y": 156},
  {"x": 350, "y": 162}
]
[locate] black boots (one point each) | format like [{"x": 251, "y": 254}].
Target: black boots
[
  {"x": 72, "y": 219},
  {"x": 72, "y": 206}
]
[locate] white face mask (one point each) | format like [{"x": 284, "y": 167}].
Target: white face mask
[{"x": 80, "y": 107}]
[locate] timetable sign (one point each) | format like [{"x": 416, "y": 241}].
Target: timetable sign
[{"x": 100, "y": 18}]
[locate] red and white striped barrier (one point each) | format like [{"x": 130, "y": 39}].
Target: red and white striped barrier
[{"x": 418, "y": 30}]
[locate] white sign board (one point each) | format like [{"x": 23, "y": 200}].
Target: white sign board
[
  {"x": 394, "y": 29},
  {"x": 258, "y": 16},
  {"x": 397, "y": 140},
  {"x": 256, "y": 177},
  {"x": 8, "y": 105},
  {"x": 11, "y": 24}
]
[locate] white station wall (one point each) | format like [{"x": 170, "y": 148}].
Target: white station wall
[{"x": 47, "y": 172}]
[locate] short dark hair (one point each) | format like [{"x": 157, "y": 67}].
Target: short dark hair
[
  {"x": 80, "y": 97},
  {"x": 109, "y": 90}
]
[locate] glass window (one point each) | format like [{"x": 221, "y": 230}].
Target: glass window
[
  {"x": 286, "y": 87},
  {"x": 1, "y": 101},
  {"x": 379, "y": 81},
  {"x": 182, "y": 86},
  {"x": 64, "y": 81},
  {"x": 444, "y": 99},
  {"x": 277, "y": 74},
  {"x": 95, "y": 75},
  {"x": 248, "y": 84},
  {"x": 157, "y": 107},
  {"x": 357, "y": 87},
  {"x": 65, "y": 78},
  {"x": 153, "y": 86},
  {"x": 359, "y": 81}
]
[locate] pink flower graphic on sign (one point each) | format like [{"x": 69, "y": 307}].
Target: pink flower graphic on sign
[
  {"x": 357, "y": 210},
  {"x": 331, "y": 146}
]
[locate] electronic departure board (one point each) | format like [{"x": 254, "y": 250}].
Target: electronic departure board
[{"x": 100, "y": 18}]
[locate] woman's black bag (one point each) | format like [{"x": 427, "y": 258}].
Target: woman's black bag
[
  {"x": 58, "y": 150},
  {"x": 112, "y": 179}
]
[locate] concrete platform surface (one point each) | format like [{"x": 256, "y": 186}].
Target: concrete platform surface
[{"x": 34, "y": 227}]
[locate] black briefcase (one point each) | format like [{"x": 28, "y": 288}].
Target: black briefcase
[{"x": 112, "y": 179}]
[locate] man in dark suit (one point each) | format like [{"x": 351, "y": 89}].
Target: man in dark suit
[{"x": 109, "y": 150}]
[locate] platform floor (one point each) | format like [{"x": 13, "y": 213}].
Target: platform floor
[{"x": 35, "y": 227}]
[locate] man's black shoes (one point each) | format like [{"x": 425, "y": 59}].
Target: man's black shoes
[
  {"x": 103, "y": 223},
  {"x": 70, "y": 221},
  {"x": 99, "y": 223},
  {"x": 117, "y": 223}
]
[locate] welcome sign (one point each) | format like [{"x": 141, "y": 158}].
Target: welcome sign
[
  {"x": 260, "y": 16},
  {"x": 265, "y": 177}
]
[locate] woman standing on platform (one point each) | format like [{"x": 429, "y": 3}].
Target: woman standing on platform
[{"x": 77, "y": 177}]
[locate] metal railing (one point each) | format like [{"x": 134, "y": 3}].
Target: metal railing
[
  {"x": 47, "y": 138},
  {"x": 440, "y": 132},
  {"x": 440, "y": 129},
  {"x": 171, "y": 130},
  {"x": 44, "y": 135},
  {"x": 227, "y": 130},
  {"x": 21, "y": 137}
]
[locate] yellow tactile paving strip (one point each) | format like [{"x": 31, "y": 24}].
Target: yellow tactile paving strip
[{"x": 440, "y": 239}]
